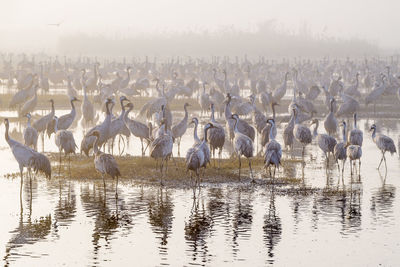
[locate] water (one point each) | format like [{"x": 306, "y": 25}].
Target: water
[{"x": 71, "y": 222}]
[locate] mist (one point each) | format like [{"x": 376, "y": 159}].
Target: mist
[{"x": 159, "y": 27}]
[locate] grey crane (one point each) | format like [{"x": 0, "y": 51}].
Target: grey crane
[
  {"x": 243, "y": 126},
  {"x": 265, "y": 132},
  {"x": 65, "y": 142},
  {"x": 103, "y": 128},
  {"x": 204, "y": 100},
  {"x": 87, "y": 108},
  {"x": 27, "y": 157},
  {"x": 280, "y": 92},
  {"x": 137, "y": 128},
  {"x": 330, "y": 122},
  {"x": 64, "y": 121},
  {"x": 30, "y": 134},
  {"x": 41, "y": 124},
  {"x": 288, "y": 135},
  {"x": 243, "y": 145},
  {"x": 339, "y": 150},
  {"x": 325, "y": 142},
  {"x": 30, "y": 105},
  {"x": 354, "y": 152},
  {"x": 118, "y": 126},
  {"x": 178, "y": 130},
  {"x": 356, "y": 136},
  {"x": 216, "y": 137},
  {"x": 105, "y": 163},
  {"x": 302, "y": 134},
  {"x": 273, "y": 151},
  {"x": 161, "y": 148},
  {"x": 384, "y": 143},
  {"x": 199, "y": 155}
]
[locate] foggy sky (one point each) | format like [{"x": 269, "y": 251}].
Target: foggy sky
[{"x": 24, "y": 22}]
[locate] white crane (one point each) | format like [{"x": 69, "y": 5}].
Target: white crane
[
  {"x": 29, "y": 105},
  {"x": 302, "y": 134}
]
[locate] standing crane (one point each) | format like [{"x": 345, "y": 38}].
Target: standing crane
[
  {"x": 325, "y": 142},
  {"x": 65, "y": 142},
  {"x": 340, "y": 149},
  {"x": 330, "y": 122},
  {"x": 105, "y": 163},
  {"x": 243, "y": 145},
  {"x": 179, "y": 129},
  {"x": 41, "y": 124},
  {"x": 30, "y": 134},
  {"x": 384, "y": 143},
  {"x": 216, "y": 137},
  {"x": 27, "y": 157},
  {"x": 161, "y": 148},
  {"x": 356, "y": 135},
  {"x": 273, "y": 151},
  {"x": 64, "y": 121},
  {"x": 137, "y": 128}
]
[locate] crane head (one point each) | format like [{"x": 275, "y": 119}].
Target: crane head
[{"x": 373, "y": 127}]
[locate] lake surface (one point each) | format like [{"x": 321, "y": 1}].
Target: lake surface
[{"x": 71, "y": 222}]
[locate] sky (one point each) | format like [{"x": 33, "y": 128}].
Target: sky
[{"x": 25, "y": 22}]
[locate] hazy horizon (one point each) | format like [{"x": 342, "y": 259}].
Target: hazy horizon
[{"x": 25, "y": 24}]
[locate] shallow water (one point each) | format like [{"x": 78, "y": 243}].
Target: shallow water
[{"x": 70, "y": 222}]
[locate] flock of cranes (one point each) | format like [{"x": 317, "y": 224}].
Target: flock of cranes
[{"x": 239, "y": 108}]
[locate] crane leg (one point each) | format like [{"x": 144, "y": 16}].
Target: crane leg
[
  {"x": 381, "y": 161},
  {"x": 384, "y": 159},
  {"x": 116, "y": 189},
  {"x": 141, "y": 140},
  {"x": 240, "y": 165},
  {"x": 359, "y": 169},
  {"x": 179, "y": 147},
  {"x": 351, "y": 167},
  {"x": 59, "y": 167},
  {"x": 251, "y": 171},
  {"x": 219, "y": 158}
]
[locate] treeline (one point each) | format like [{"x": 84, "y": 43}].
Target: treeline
[{"x": 265, "y": 41}]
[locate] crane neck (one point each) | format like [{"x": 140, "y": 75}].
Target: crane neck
[
  {"x": 228, "y": 113},
  {"x": 96, "y": 145},
  {"x": 72, "y": 105},
  {"x": 56, "y": 125},
  {"x": 205, "y": 134},
  {"x": 315, "y": 133},
  {"x": 212, "y": 114},
  {"x": 344, "y": 134},
  {"x": 271, "y": 131},
  {"x": 235, "y": 128},
  {"x": 6, "y": 133},
  {"x": 355, "y": 122},
  {"x": 52, "y": 108},
  {"x": 273, "y": 111},
  {"x": 292, "y": 120},
  {"x": 195, "y": 136},
  {"x": 374, "y": 134}
]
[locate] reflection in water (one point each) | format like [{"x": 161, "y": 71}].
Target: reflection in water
[
  {"x": 272, "y": 227},
  {"x": 106, "y": 221},
  {"x": 351, "y": 214},
  {"x": 160, "y": 210},
  {"x": 242, "y": 217},
  {"x": 382, "y": 204},
  {"x": 27, "y": 232},
  {"x": 197, "y": 227},
  {"x": 65, "y": 210}
]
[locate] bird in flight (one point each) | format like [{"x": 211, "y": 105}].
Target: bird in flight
[{"x": 55, "y": 24}]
